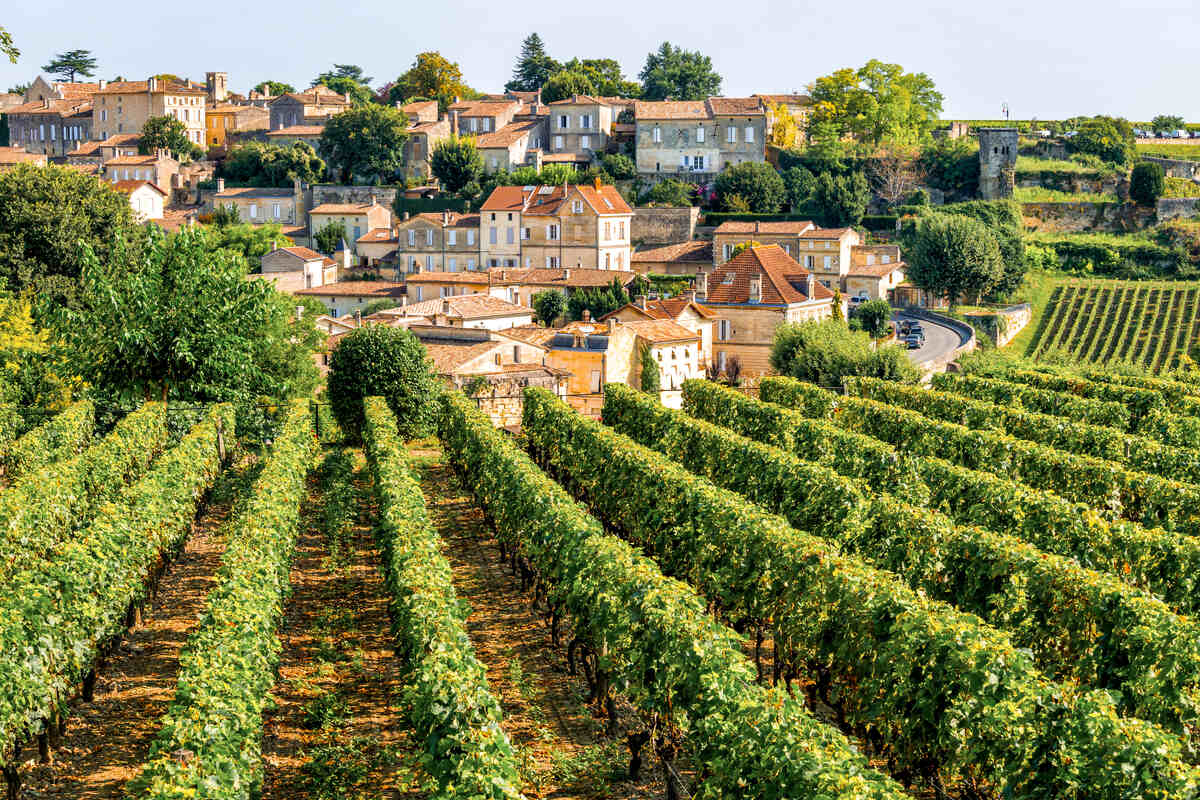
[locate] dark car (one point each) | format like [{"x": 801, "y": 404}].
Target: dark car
[
  {"x": 905, "y": 324},
  {"x": 915, "y": 327},
  {"x": 914, "y": 340}
]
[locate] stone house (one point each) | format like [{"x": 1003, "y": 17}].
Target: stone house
[
  {"x": 347, "y": 297},
  {"x": 42, "y": 89},
  {"x": 875, "y": 271},
  {"x": 223, "y": 119},
  {"x": 428, "y": 285},
  {"x": 12, "y": 156},
  {"x": 356, "y": 218},
  {"x": 474, "y": 117},
  {"x": 97, "y": 152},
  {"x": 479, "y": 310},
  {"x": 683, "y": 311},
  {"x": 124, "y": 106},
  {"x": 145, "y": 198},
  {"x": 695, "y": 140},
  {"x": 310, "y": 107},
  {"x": 423, "y": 136},
  {"x": 754, "y": 293},
  {"x": 683, "y": 258},
  {"x": 420, "y": 111},
  {"x": 580, "y": 125},
  {"x": 317, "y": 270},
  {"x": 53, "y": 127},
  {"x": 159, "y": 169},
  {"x": 674, "y": 348},
  {"x": 520, "y": 285},
  {"x": 581, "y": 226},
  {"x": 262, "y": 205},
  {"x": 510, "y": 147},
  {"x": 377, "y": 247},
  {"x": 824, "y": 251},
  {"x": 438, "y": 242}
]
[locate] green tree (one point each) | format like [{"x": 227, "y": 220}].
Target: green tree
[
  {"x": 533, "y": 68},
  {"x": 840, "y": 201},
  {"x": 7, "y": 47},
  {"x": 951, "y": 165},
  {"x": 605, "y": 76},
  {"x": 177, "y": 319},
  {"x": 329, "y": 237},
  {"x": 799, "y": 183},
  {"x": 619, "y": 166},
  {"x": 565, "y": 84},
  {"x": 388, "y": 362},
  {"x": 650, "y": 379},
  {"x": 1167, "y": 122},
  {"x": 274, "y": 88},
  {"x": 826, "y": 352},
  {"x": 549, "y": 306},
  {"x": 167, "y": 133},
  {"x": 677, "y": 74},
  {"x": 48, "y": 215},
  {"x": 71, "y": 63},
  {"x": 953, "y": 256},
  {"x": 758, "y": 183},
  {"x": 225, "y": 215},
  {"x": 432, "y": 76},
  {"x": 252, "y": 242},
  {"x": 456, "y": 163},
  {"x": 670, "y": 192},
  {"x": 1147, "y": 183},
  {"x": 874, "y": 316},
  {"x": 32, "y": 379},
  {"x": 366, "y": 142},
  {"x": 1109, "y": 138},
  {"x": 264, "y": 164},
  {"x": 1003, "y": 218},
  {"x": 382, "y": 304},
  {"x": 825, "y": 149},
  {"x": 877, "y": 102}
]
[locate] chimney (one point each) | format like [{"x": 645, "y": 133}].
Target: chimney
[
  {"x": 152, "y": 84},
  {"x": 445, "y": 306},
  {"x": 102, "y": 84},
  {"x": 808, "y": 285},
  {"x": 406, "y": 216},
  {"x": 358, "y": 318},
  {"x": 220, "y": 185},
  {"x": 641, "y": 302},
  {"x": 274, "y": 246},
  {"x": 598, "y": 183},
  {"x": 702, "y": 285},
  {"x": 587, "y": 315},
  {"x": 445, "y": 218},
  {"x": 756, "y": 288},
  {"x": 566, "y": 274}
]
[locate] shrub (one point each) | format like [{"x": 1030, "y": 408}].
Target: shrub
[
  {"x": 827, "y": 352},
  {"x": 758, "y": 183},
  {"x": 391, "y": 363},
  {"x": 650, "y": 379},
  {"x": 619, "y": 166},
  {"x": 1147, "y": 183}
]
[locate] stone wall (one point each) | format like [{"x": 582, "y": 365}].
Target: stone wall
[
  {"x": 335, "y": 193},
  {"x": 1079, "y": 217},
  {"x": 1175, "y": 207},
  {"x": 1073, "y": 182},
  {"x": 1003, "y": 325},
  {"x": 663, "y": 225},
  {"x": 1177, "y": 168}
]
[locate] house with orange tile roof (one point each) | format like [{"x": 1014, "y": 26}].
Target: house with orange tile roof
[
  {"x": 580, "y": 125},
  {"x": 825, "y": 252},
  {"x": 681, "y": 258},
  {"x": 423, "y": 135},
  {"x": 683, "y": 310},
  {"x": 310, "y": 107},
  {"x": 584, "y": 226},
  {"x": 476, "y": 117},
  {"x": 310, "y": 268},
  {"x": 158, "y": 169},
  {"x": 145, "y": 198},
  {"x": 356, "y": 218},
  {"x": 476, "y": 310},
  {"x": 693, "y": 140},
  {"x": 50, "y": 126},
  {"x": 346, "y": 297},
  {"x": 511, "y": 147},
  {"x": 754, "y": 293},
  {"x": 42, "y": 89},
  {"x": 263, "y": 205},
  {"x": 875, "y": 272},
  {"x": 96, "y": 151},
  {"x": 445, "y": 241},
  {"x": 124, "y": 106},
  {"x": 12, "y": 156}
]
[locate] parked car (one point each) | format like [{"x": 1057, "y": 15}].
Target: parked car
[
  {"x": 915, "y": 327},
  {"x": 905, "y": 324},
  {"x": 914, "y": 340}
]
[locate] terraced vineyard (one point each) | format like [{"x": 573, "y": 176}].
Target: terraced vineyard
[{"x": 1135, "y": 322}]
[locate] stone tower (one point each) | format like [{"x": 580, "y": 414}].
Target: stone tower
[
  {"x": 997, "y": 162},
  {"x": 217, "y": 84}
]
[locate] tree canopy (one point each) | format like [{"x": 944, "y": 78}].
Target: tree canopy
[
  {"x": 167, "y": 133},
  {"x": 758, "y": 183},
  {"x": 677, "y": 74},
  {"x": 670, "y": 192},
  {"x": 47, "y": 216},
  {"x": 388, "y": 362},
  {"x": 71, "y": 63},
  {"x": 1147, "y": 182},
  {"x": 7, "y": 47},
  {"x": 605, "y": 76},
  {"x": 347, "y": 79},
  {"x": 549, "y": 305},
  {"x": 1167, "y": 122},
  {"x": 533, "y": 68},
  {"x": 274, "y": 88},
  {"x": 840, "y": 201},
  {"x": 432, "y": 76},
  {"x": 329, "y": 237},
  {"x": 826, "y": 352},
  {"x": 566, "y": 84},
  {"x": 366, "y": 142},
  {"x": 265, "y": 164},
  {"x": 1109, "y": 138},
  {"x": 877, "y": 102},
  {"x": 456, "y": 163},
  {"x": 177, "y": 319},
  {"x": 953, "y": 256}
]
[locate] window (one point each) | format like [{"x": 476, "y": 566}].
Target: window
[
  {"x": 564, "y": 122},
  {"x": 487, "y": 124},
  {"x": 508, "y": 234},
  {"x": 516, "y": 354},
  {"x": 608, "y": 260},
  {"x": 451, "y": 238},
  {"x": 276, "y": 210},
  {"x": 474, "y": 125},
  {"x": 723, "y": 332},
  {"x": 656, "y": 136},
  {"x": 749, "y": 133},
  {"x": 829, "y": 245},
  {"x": 558, "y": 144},
  {"x": 607, "y": 230},
  {"x": 576, "y": 206},
  {"x": 731, "y": 134},
  {"x": 492, "y": 235},
  {"x": 886, "y": 258},
  {"x": 698, "y": 162},
  {"x": 428, "y": 237},
  {"x": 419, "y": 293},
  {"x": 699, "y": 134},
  {"x": 870, "y": 259},
  {"x": 828, "y": 263},
  {"x": 357, "y": 233},
  {"x": 685, "y": 161},
  {"x": 595, "y": 381},
  {"x": 412, "y": 238},
  {"x": 585, "y": 122},
  {"x": 104, "y": 115},
  {"x": 495, "y": 162},
  {"x": 524, "y": 233},
  {"x": 470, "y": 263},
  {"x": 585, "y": 142},
  {"x": 470, "y": 238},
  {"x": 552, "y": 262},
  {"x": 428, "y": 263},
  {"x": 452, "y": 265},
  {"x": 253, "y": 211},
  {"x": 52, "y": 131},
  {"x": 727, "y": 252},
  {"x": 552, "y": 233},
  {"x": 620, "y": 260},
  {"x": 493, "y": 219},
  {"x": 810, "y": 261}
]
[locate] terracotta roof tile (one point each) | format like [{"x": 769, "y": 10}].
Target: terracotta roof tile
[
  {"x": 574, "y": 277},
  {"x": 796, "y": 228},
  {"x": 730, "y": 282},
  {"x": 304, "y": 253},
  {"x": 469, "y": 306},
  {"x": 18, "y": 155},
  {"x": 661, "y": 330},
  {"x": 379, "y": 236},
  {"x": 298, "y": 130},
  {"x": 129, "y": 187},
  {"x": 357, "y": 289},
  {"x": 506, "y": 136},
  {"x": 66, "y": 107},
  {"x": 343, "y": 208},
  {"x": 470, "y": 278},
  {"x": 736, "y": 106},
  {"x": 131, "y": 161},
  {"x": 670, "y": 309},
  {"x": 786, "y": 99},
  {"x": 671, "y": 109},
  {"x": 317, "y": 95},
  {"x": 163, "y": 86},
  {"x": 577, "y": 100},
  {"x": 875, "y": 270},
  {"x": 694, "y": 251},
  {"x": 255, "y": 191}
]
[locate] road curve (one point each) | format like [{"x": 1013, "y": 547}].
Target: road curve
[{"x": 940, "y": 340}]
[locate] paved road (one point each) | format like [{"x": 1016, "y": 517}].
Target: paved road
[{"x": 939, "y": 340}]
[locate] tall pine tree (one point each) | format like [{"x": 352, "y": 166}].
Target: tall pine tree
[{"x": 533, "y": 68}]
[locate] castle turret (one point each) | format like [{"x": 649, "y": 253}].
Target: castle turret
[{"x": 997, "y": 162}]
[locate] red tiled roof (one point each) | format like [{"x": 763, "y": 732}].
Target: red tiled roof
[
  {"x": 506, "y": 136},
  {"x": 694, "y": 251},
  {"x": 18, "y": 155},
  {"x": 787, "y": 99},
  {"x": 875, "y": 270},
  {"x": 577, "y": 99},
  {"x": 738, "y": 226},
  {"x": 304, "y": 253},
  {"x": 605, "y": 199},
  {"x": 671, "y": 109},
  {"x": 131, "y": 161},
  {"x": 736, "y": 106},
  {"x": 469, "y": 306},
  {"x": 670, "y": 308},
  {"x": 298, "y": 130},
  {"x": 57, "y": 107},
  {"x": 129, "y": 187},
  {"x": 730, "y": 282},
  {"x": 78, "y": 90},
  {"x": 317, "y": 96},
  {"x": 476, "y": 278},
  {"x": 457, "y": 219},
  {"x": 343, "y": 208},
  {"x": 168, "y": 86},
  {"x": 357, "y": 289},
  {"x": 573, "y": 277},
  {"x": 661, "y": 330},
  {"x": 379, "y": 236}
]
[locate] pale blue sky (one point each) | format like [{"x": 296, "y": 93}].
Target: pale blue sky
[{"x": 1045, "y": 58}]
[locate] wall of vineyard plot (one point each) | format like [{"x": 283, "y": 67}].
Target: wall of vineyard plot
[{"x": 1151, "y": 324}]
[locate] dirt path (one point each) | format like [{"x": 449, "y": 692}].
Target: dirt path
[
  {"x": 562, "y": 746},
  {"x": 338, "y": 729},
  {"x": 107, "y": 740}
]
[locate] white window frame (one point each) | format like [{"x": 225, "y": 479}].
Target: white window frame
[
  {"x": 564, "y": 121},
  {"x": 576, "y": 206},
  {"x": 470, "y": 237},
  {"x": 412, "y": 238},
  {"x": 723, "y": 331},
  {"x": 699, "y": 134},
  {"x": 656, "y": 135},
  {"x": 585, "y": 142},
  {"x": 451, "y": 238},
  {"x": 558, "y": 142},
  {"x": 493, "y": 236},
  {"x": 254, "y": 211},
  {"x": 749, "y": 134},
  {"x": 429, "y": 237},
  {"x": 278, "y": 212},
  {"x": 585, "y": 121},
  {"x": 553, "y": 233},
  {"x": 731, "y": 134}
]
